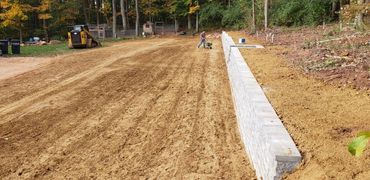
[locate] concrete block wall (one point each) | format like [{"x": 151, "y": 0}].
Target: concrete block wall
[{"x": 268, "y": 144}]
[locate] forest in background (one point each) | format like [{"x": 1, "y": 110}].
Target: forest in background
[{"x": 49, "y": 19}]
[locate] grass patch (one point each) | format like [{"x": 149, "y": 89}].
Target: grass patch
[
  {"x": 55, "y": 49},
  {"x": 45, "y": 50}
]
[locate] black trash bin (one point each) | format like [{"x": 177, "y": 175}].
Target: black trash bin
[
  {"x": 4, "y": 46},
  {"x": 16, "y": 47}
]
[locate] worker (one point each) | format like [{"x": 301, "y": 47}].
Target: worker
[{"x": 202, "y": 39}]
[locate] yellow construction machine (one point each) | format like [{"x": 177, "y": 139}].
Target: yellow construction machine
[{"x": 80, "y": 37}]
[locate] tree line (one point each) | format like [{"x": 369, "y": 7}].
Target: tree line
[{"x": 50, "y": 18}]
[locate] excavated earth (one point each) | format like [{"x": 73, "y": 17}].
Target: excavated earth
[{"x": 155, "y": 108}]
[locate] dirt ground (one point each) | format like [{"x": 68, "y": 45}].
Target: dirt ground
[
  {"x": 13, "y": 66},
  {"x": 337, "y": 57},
  {"x": 141, "y": 109},
  {"x": 322, "y": 118}
]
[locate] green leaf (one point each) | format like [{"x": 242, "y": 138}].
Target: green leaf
[
  {"x": 358, "y": 145},
  {"x": 367, "y": 134}
]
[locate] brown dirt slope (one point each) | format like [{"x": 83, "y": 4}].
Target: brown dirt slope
[
  {"x": 153, "y": 108},
  {"x": 321, "y": 118},
  {"x": 338, "y": 57}
]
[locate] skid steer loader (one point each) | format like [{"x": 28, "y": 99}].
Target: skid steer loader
[{"x": 80, "y": 37}]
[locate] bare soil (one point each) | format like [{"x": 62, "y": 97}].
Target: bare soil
[
  {"x": 14, "y": 66},
  {"x": 321, "y": 117},
  {"x": 337, "y": 57},
  {"x": 142, "y": 109}
]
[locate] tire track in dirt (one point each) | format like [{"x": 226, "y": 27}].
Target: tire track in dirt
[
  {"x": 87, "y": 75},
  {"x": 133, "y": 111},
  {"x": 139, "y": 115},
  {"x": 193, "y": 127},
  {"x": 71, "y": 64},
  {"x": 83, "y": 127},
  {"x": 63, "y": 91},
  {"x": 174, "y": 95},
  {"x": 45, "y": 122},
  {"x": 164, "y": 112}
]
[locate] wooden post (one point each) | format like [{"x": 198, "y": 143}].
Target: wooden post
[{"x": 197, "y": 23}]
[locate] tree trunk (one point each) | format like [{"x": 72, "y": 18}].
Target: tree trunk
[
  {"x": 334, "y": 8},
  {"x": 266, "y": 18},
  {"x": 197, "y": 23},
  {"x": 97, "y": 18},
  {"x": 123, "y": 14},
  {"x": 137, "y": 18},
  {"x": 97, "y": 12},
  {"x": 359, "y": 24},
  {"x": 89, "y": 4},
  {"x": 150, "y": 14},
  {"x": 114, "y": 19},
  {"x": 97, "y": 9},
  {"x": 45, "y": 30},
  {"x": 85, "y": 12},
  {"x": 20, "y": 35},
  {"x": 253, "y": 17},
  {"x": 176, "y": 25},
  {"x": 127, "y": 22},
  {"x": 189, "y": 21}
]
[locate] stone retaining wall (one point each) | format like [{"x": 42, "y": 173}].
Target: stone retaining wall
[{"x": 268, "y": 144}]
